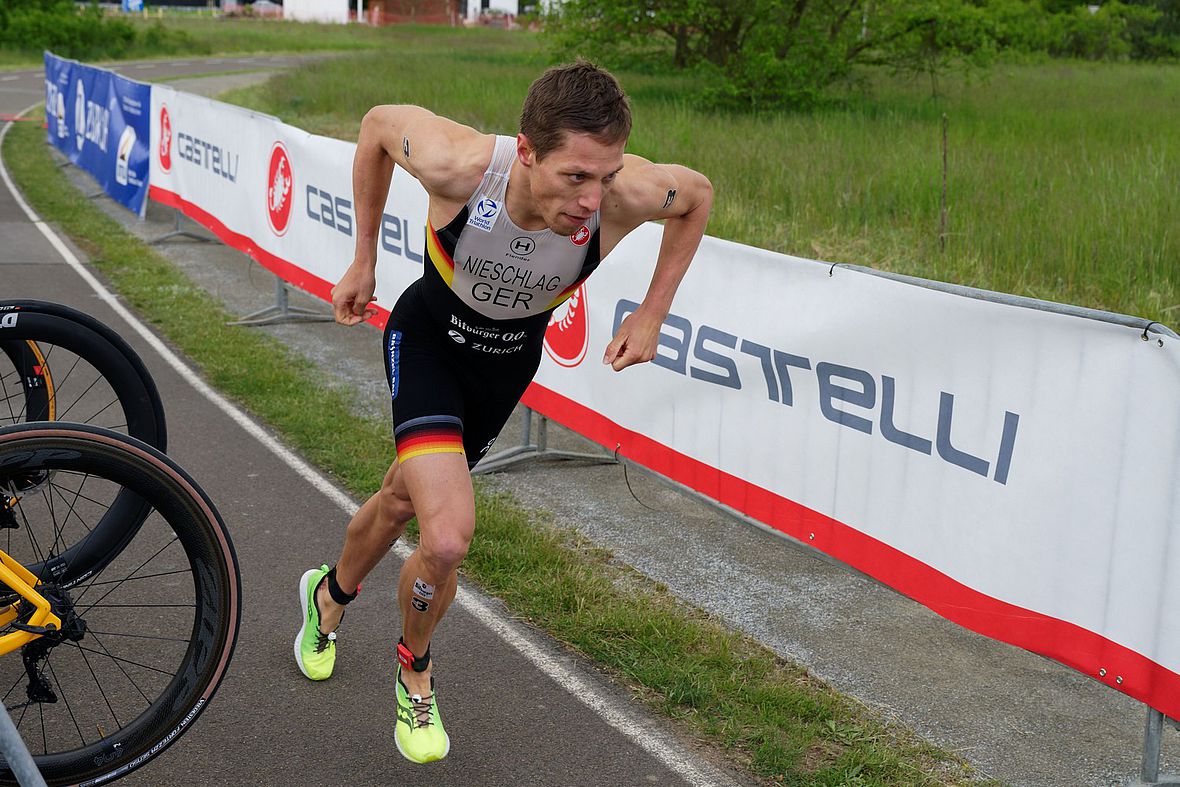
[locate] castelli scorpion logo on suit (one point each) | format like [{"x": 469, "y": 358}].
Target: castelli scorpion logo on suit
[{"x": 280, "y": 179}]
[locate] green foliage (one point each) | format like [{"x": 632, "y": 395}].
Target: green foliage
[
  {"x": 769, "y": 53},
  {"x": 83, "y": 33}
]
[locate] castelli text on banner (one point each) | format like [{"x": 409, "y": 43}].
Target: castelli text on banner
[
  {"x": 1011, "y": 468},
  {"x": 278, "y": 193},
  {"x": 1020, "y": 460},
  {"x": 99, "y": 120}
]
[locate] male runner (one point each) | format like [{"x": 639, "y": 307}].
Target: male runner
[{"x": 515, "y": 225}]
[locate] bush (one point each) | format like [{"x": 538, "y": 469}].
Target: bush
[
  {"x": 767, "y": 53},
  {"x": 86, "y": 33}
]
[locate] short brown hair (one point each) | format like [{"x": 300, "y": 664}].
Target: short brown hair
[{"x": 579, "y": 97}]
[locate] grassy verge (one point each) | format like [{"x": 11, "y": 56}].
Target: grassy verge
[
  {"x": 785, "y": 726},
  {"x": 1060, "y": 175}
]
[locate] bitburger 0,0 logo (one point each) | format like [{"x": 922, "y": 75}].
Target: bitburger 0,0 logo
[{"x": 279, "y": 181}]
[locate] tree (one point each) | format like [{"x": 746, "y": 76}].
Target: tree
[{"x": 770, "y": 52}]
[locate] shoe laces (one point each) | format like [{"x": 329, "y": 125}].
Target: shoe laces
[
  {"x": 419, "y": 711},
  {"x": 322, "y": 640}
]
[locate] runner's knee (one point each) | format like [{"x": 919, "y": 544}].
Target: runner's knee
[{"x": 444, "y": 551}]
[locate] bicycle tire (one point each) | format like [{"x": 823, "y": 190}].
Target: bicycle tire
[
  {"x": 53, "y": 327},
  {"x": 160, "y": 621},
  {"x": 111, "y": 385}
]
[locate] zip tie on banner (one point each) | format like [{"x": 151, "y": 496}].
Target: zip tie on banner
[
  {"x": 832, "y": 269},
  {"x": 627, "y": 479},
  {"x": 1147, "y": 328}
]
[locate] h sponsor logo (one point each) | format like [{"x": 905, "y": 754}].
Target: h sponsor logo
[
  {"x": 522, "y": 246},
  {"x": 581, "y": 237},
  {"x": 568, "y": 334},
  {"x": 280, "y": 179},
  {"x": 165, "y": 149}
]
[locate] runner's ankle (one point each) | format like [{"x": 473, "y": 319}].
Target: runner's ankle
[{"x": 330, "y": 611}]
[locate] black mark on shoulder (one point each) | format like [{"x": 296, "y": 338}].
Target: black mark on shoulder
[{"x": 671, "y": 198}]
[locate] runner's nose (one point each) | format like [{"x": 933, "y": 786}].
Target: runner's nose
[{"x": 591, "y": 198}]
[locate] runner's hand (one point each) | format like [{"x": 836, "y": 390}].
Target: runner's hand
[
  {"x": 352, "y": 297},
  {"x": 635, "y": 342}
]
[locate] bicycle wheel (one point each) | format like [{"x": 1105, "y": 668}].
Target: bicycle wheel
[
  {"x": 58, "y": 364},
  {"x": 146, "y": 640}
]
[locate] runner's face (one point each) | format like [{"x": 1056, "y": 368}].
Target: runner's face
[{"x": 569, "y": 184}]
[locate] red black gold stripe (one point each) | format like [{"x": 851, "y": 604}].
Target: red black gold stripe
[
  {"x": 429, "y": 440},
  {"x": 438, "y": 255}
]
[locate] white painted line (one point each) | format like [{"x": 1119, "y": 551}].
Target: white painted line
[
  {"x": 143, "y": 66},
  {"x": 9, "y": 79},
  {"x": 660, "y": 745}
]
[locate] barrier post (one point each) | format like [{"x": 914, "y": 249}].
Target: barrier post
[
  {"x": 281, "y": 311},
  {"x": 177, "y": 232},
  {"x": 17, "y": 754},
  {"x": 1149, "y": 773},
  {"x": 530, "y": 451}
]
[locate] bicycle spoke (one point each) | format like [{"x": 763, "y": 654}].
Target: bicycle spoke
[
  {"x": 69, "y": 710},
  {"x": 77, "y": 400},
  {"x": 98, "y": 685},
  {"x": 12, "y": 688},
  {"x": 144, "y": 576},
  {"x": 130, "y": 679},
  {"x": 137, "y": 636},
  {"x": 123, "y": 660},
  {"x": 71, "y": 511},
  {"x": 141, "y": 606},
  {"x": 119, "y": 583}
]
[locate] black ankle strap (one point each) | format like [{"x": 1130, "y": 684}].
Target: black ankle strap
[
  {"x": 337, "y": 593},
  {"x": 407, "y": 659}
]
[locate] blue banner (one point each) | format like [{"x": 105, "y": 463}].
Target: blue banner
[
  {"x": 133, "y": 6},
  {"x": 102, "y": 123}
]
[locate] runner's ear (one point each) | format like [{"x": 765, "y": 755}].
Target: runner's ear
[{"x": 525, "y": 151}]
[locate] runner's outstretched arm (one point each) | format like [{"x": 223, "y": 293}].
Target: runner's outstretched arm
[
  {"x": 683, "y": 198},
  {"x": 429, "y": 147}
]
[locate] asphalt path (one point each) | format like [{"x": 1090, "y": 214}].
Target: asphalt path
[{"x": 519, "y": 709}]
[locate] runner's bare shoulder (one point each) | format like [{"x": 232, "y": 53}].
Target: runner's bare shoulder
[{"x": 447, "y": 158}]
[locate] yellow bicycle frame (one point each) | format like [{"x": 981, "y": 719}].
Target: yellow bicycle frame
[{"x": 15, "y": 576}]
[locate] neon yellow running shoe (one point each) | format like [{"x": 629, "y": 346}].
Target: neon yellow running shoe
[
  {"x": 418, "y": 729},
  {"x": 315, "y": 652}
]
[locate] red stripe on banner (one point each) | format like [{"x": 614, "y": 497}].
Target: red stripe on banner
[
  {"x": 1091, "y": 654},
  {"x": 1083, "y": 650},
  {"x": 292, "y": 274}
]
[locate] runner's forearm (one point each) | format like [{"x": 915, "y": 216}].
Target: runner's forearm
[
  {"x": 682, "y": 236},
  {"x": 372, "y": 171}
]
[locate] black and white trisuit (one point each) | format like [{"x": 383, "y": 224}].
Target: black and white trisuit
[{"x": 464, "y": 341}]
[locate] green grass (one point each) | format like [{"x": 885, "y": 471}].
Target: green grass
[
  {"x": 1062, "y": 176},
  {"x": 770, "y": 716}
]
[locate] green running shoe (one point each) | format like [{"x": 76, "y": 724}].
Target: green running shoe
[
  {"x": 418, "y": 729},
  {"x": 315, "y": 652}
]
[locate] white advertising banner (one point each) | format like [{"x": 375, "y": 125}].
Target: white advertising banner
[
  {"x": 1014, "y": 469},
  {"x": 330, "y": 11},
  {"x": 277, "y": 193}
]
